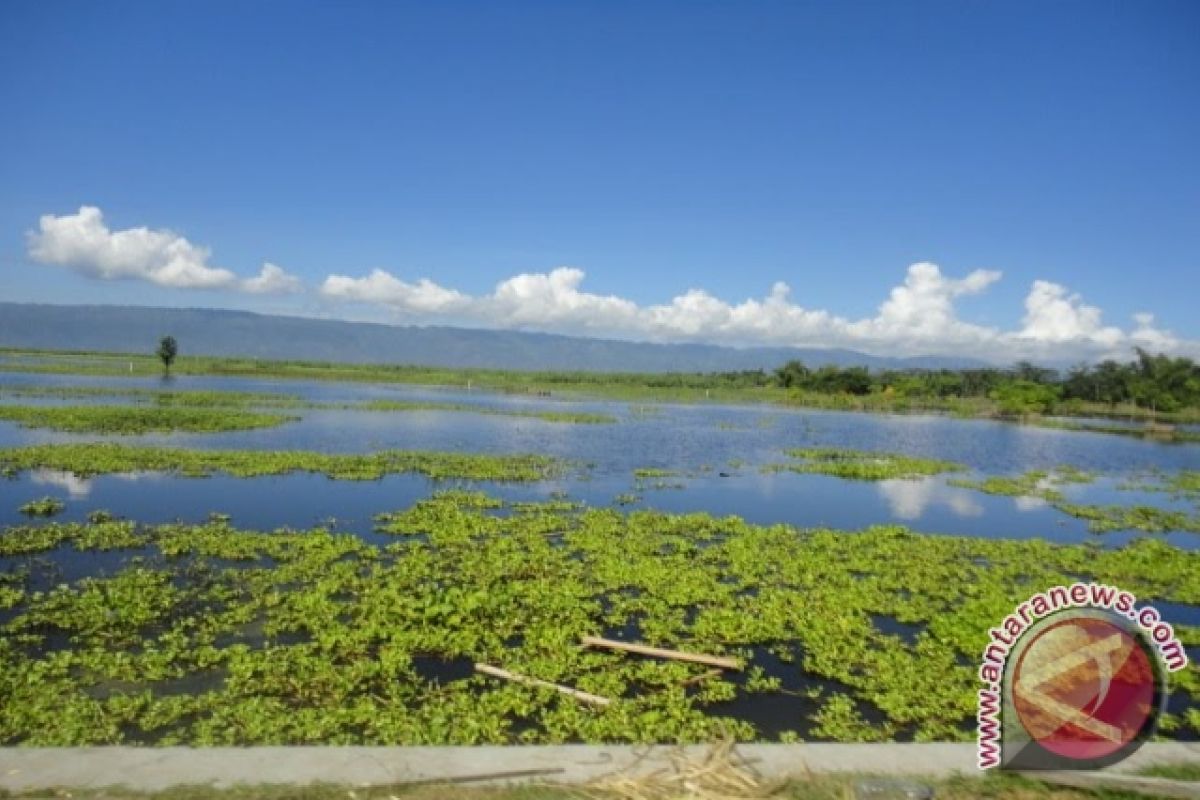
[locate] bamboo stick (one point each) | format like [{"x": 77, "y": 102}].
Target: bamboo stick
[
  {"x": 676, "y": 655},
  {"x": 583, "y": 697}
]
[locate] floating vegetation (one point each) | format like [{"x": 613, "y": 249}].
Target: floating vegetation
[
  {"x": 196, "y": 398},
  {"x": 1159, "y": 432},
  {"x": 1100, "y": 518},
  {"x": 43, "y": 507},
  {"x": 643, "y": 473},
  {"x": 575, "y": 417},
  {"x": 1182, "y": 484},
  {"x": 658, "y": 478},
  {"x": 212, "y": 635},
  {"x": 1035, "y": 483},
  {"x": 863, "y": 465},
  {"x": 627, "y": 499},
  {"x": 95, "y": 458},
  {"x": 138, "y": 419},
  {"x": 1150, "y": 519}
]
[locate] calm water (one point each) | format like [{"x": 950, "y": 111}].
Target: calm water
[{"x": 718, "y": 450}]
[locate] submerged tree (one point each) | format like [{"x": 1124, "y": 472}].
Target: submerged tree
[{"x": 167, "y": 350}]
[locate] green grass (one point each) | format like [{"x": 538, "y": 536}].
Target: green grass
[
  {"x": 311, "y": 636},
  {"x": 94, "y": 458},
  {"x": 637, "y": 388},
  {"x": 861, "y": 464},
  {"x": 125, "y": 420},
  {"x": 205, "y": 399},
  {"x": 1175, "y": 772},
  {"x": 164, "y": 397}
]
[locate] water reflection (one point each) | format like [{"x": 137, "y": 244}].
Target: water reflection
[
  {"x": 77, "y": 488},
  {"x": 909, "y": 499},
  {"x": 1030, "y": 503},
  {"x": 718, "y": 451}
]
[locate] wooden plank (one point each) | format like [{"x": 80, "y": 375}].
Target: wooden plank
[
  {"x": 1137, "y": 784},
  {"x": 583, "y": 697},
  {"x": 723, "y": 662}
]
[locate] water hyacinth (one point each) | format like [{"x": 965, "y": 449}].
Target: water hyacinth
[
  {"x": 126, "y": 420},
  {"x": 210, "y": 634},
  {"x": 98, "y": 458}
]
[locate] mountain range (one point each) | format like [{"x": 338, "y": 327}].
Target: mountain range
[{"x": 213, "y": 332}]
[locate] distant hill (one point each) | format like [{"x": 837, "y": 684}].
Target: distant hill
[{"x": 240, "y": 333}]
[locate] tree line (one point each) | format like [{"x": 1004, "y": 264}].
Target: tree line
[{"x": 1156, "y": 382}]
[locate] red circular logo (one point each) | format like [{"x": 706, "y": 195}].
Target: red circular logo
[{"x": 1084, "y": 688}]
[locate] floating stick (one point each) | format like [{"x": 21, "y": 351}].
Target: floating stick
[
  {"x": 583, "y": 697},
  {"x": 658, "y": 652}
]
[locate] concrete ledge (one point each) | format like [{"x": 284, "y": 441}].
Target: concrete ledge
[{"x": 151, "y": 768}]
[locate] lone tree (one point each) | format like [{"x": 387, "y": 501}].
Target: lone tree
[{"x": 167, "y": 350}]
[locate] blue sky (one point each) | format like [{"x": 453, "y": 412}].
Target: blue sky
[{"x": 681, "y": 158}]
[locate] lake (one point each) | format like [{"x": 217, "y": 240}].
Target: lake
[{"x": 718, "y": 452}]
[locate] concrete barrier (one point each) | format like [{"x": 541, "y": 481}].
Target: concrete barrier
[{"x": 152, "y": 768}]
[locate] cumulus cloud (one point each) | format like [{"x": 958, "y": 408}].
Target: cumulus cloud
[
  {"x": 84, "y": 243},
  {"x": 1053, "y": 314},
  {"x": 272, "y": 279},
  {"x": 917, "y": 316},
  {"x": 422, "y": 297}
]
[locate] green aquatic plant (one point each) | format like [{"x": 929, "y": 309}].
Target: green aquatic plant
[
  {"x": 209, "y": 634},
  {"x": 573, "y": 417},
  {"x": 642, "y": 473},
  {"x": 1182, "y": 484},
  {"x": 1045, "y": 484},
  {"x": 1100, "y": 518},
  {"x": 138, "y": 419},
  {"x": 195, "y": 398},
  {"x": 206, "y": 399},
  {"x": 1150, "y": 519},
  {"x": 862, "y": 464},
  {"x": 1148, "y": 431},
  {"x": 95, "y": 458},
  {"x": 43, "y": 507}
]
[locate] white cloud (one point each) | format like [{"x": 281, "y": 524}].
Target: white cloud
[
  {"x": 272, "y": 279},
  {"x": 1054, "y": 315},
  {"x": 535, "y": 299},
  {"x": 83, "y": 242},
  {"x": 422, "y": 297},
  {"x": 1145, "y": 335},
  {"x": 917, "y": 317},
  {"x": 922, "y": 308}
]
